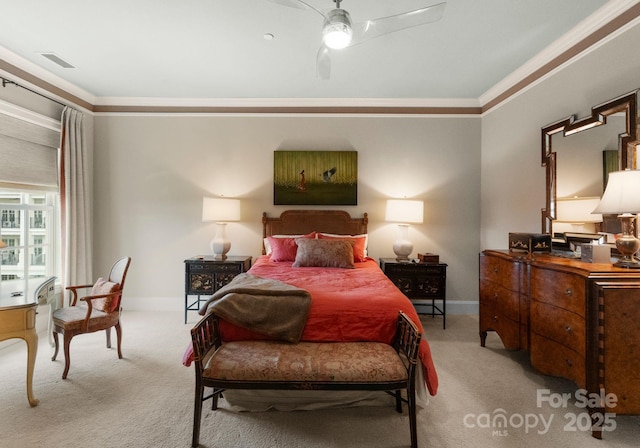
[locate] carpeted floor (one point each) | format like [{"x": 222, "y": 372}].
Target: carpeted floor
[{"x": 146, "y": 399}]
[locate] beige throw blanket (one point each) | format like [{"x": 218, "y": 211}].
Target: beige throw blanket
[{"x": 263, "y": 305}]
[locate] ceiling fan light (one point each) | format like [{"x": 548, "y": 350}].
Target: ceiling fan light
[{"x": 337, "y": 31}]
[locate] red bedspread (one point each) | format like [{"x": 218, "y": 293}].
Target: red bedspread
[{"x": 358, "y": 304}]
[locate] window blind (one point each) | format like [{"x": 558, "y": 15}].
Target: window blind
[{"x": 28, "y": 153}]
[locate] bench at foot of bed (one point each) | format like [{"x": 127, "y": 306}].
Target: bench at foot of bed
[{"x": 306, "y": 365}]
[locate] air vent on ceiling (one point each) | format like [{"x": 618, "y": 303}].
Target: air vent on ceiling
[{"x": 57, "y": 60}]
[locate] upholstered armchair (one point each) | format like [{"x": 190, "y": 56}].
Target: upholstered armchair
[{"x": 100, "y": 310}]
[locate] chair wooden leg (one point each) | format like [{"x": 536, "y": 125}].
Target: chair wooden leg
[
  {"x": 119, "y": 335},
  {"x": 214, "y": 398},
  {"x": 197, "y": 414},
  {"x": 67, "y": 358},
  {"x": 411, "y": 395},
  {"x": 108, "y": 333},
  {"x": 55, "y": 350}
]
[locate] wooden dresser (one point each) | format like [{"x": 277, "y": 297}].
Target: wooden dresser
[{"x": 578, "y": 320}]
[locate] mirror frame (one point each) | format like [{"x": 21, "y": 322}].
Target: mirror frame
[{"x": 626, "y": 144}]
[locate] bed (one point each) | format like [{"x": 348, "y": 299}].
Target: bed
[{"x": 348, "y": 303}]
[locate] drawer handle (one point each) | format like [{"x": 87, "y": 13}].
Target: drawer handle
[
  {"x": 495, "y": 295},
  {"x": 568, "y": 329},
  {"x": 569, "y": 362},
  {"x": 495, "y": 318},
  {"x": 495, "y": 269},
  {"x": 569, "y": 292}
]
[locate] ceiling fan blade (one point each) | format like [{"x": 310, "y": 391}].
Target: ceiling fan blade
[
  {"x": 323, "y": 63},
  {"x": 385, "y": 25},
  {"x": 298, "y": 4}
]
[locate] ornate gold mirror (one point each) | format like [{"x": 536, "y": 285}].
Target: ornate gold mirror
[{"x": 622, "y": 114}]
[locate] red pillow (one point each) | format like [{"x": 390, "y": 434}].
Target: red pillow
[
  {"x": 285, "y": 249},
  {"x": 106, "y": 304},
  {"x": 359, "y": 247}
]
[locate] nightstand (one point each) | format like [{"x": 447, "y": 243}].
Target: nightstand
[
  {"x": 422, "y": 283},
  {"x": 204, "y": 275}
]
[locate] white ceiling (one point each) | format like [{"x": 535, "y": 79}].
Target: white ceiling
[{"x": 179, "y": 50}]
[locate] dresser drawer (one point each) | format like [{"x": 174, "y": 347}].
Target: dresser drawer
[
  {"x": 552, "y": 358},
  {"x": 503, "y": 272},
  {"x": 417, "y": 280},
  {"x": 411, "y": 269},
  {"x": 505, "y": 301},
  {"x": 559, "y": 325},
  {"x": 215, "y": 268},
  {"x": 561, "y": 289},
  {"x": 507, "y": 329},
  {"x": 204, "y": 275}
]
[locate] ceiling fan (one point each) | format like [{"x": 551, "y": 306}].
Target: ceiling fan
[{"x": 338, "y": 31}]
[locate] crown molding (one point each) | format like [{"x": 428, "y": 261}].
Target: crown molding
[
  {"x": 37, "y": 78},
  {"x": 602, "y": 26},
  {"x": 289, "y": 102},
  {"x": 608, "y": 21},
  {"x": 279, "y": 106}
]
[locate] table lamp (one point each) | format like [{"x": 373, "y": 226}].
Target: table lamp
[
  {"x": 622, "y": 197},
  {"x": 578, "y": 210},
  {"x": 404, "y": 212},
  {"x": 220, "y": 210}
]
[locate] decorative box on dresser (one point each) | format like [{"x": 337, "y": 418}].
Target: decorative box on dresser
[
  {"x": 578, "y": 320},
  {"x": 204, "y": 275}
]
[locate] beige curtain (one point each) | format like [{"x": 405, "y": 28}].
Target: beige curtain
[{"x": 75, "y": 201}]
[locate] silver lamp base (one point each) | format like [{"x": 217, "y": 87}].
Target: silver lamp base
[{"x": 627, "y": 244}]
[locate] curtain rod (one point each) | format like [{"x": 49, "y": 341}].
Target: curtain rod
[{"x": 6, "y": 82}]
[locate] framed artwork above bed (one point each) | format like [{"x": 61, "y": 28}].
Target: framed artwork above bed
[{"x": 315, "y": 178}]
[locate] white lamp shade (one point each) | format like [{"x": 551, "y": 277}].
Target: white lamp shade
[
  {"x": 577, "y": 210},
  {"x": 220, "y": 209},
  {"x": 622, "y": 194},
  {"x": 405, "y": 211}
]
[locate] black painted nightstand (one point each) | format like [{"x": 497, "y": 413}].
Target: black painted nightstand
[
  {"x": 422, "y": 283},
  {"x": 204, "y": 275}
]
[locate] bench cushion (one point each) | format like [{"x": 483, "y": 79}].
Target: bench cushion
[{"x": 368, "y": 362}]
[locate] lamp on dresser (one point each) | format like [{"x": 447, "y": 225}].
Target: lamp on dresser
[
  {"x": 403, "y": 212},
  {"x": 220, "y": 210},
  {"x": 622, "y": 197},
  {"x": 576, "y": 212}
]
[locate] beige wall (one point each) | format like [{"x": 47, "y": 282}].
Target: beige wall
[
  {"x": 480, "y": 177},
  {"x": 151, "y": 173},
  {"x": 513, "y": 180}
]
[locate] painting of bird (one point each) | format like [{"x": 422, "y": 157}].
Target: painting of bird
[
  {"x": 327, "y": 175},
  {"x": 315, "y": 177}
]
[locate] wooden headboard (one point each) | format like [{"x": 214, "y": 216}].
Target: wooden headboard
[{"x": 294, "y": 222}]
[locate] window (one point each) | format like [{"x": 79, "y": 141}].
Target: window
[
  {"x": 29, "y": 229},
  {"x": 29, "y": 200}
]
